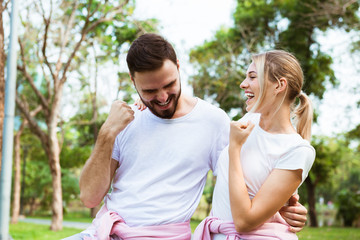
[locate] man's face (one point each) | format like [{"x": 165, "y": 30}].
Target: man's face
[{"x": 160, "y": 90}]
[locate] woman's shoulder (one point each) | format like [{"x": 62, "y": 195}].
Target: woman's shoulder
[{"x": 252, "y": 117}]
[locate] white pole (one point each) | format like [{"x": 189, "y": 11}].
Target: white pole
[{"x": 8, "y": 129}]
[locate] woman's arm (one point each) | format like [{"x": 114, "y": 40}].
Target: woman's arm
[{"x": 275, "y": 192}]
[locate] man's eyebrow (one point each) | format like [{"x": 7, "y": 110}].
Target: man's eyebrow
[
  {"x": 251, "y": 72},
  {"x": 168, "y": 85},
  {"x": 171, "y": 83}
]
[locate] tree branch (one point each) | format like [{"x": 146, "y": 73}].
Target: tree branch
[
  {"x": 22, "y": 68},
  {"x": 5, "y": 5},
  {"x": 336, "y": 7},
  {"x": 29, "y": 117},
  {"x": 66, "y": 37},
  {"x": 47, "y": 25},
  {"x": 86, "y": 30}
]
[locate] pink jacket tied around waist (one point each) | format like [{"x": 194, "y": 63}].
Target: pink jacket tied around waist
[
  {"x": 274, "y": 228},
  {"x": 109, "y": 223}
]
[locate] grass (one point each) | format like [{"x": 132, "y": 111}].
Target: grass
[
  {"x": 29, "y": 231},
  {"x": 329, "y": 233},
  {"x": 73, "y": 216}
]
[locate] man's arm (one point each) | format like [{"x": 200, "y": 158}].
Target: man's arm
[
  {"x": 294, "y": 214},
  {"x": 99, "y": 169}
]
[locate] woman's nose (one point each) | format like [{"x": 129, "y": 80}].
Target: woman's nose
[{"x": 243, "y": 84}]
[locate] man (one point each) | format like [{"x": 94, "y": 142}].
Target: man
[{"x": 157, "y": 160}]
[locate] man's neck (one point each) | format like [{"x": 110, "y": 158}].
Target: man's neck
[{"x": 185, "y": 105}]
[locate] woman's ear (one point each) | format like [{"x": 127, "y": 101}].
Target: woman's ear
[{"x": 282, "y": 85}]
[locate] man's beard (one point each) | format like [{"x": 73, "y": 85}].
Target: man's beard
[{"x": 168, "y": 113}]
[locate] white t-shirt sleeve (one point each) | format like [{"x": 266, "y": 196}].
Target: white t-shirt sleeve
[
  {"x": 116, "y": 150},
  {"x": 301, "y": 157},
  {"x": 221, "y": 142},
  {"x": 116, "y": 147}
]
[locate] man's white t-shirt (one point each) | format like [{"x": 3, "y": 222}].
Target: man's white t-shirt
[
  {"x": 163, "y": 164},
  {"x": 261, "y": 153}
]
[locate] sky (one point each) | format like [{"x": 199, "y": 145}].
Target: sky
[{"x": 188, "y": 23}]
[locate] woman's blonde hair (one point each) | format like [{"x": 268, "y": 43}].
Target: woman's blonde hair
[{"x": 276, "y": 64}]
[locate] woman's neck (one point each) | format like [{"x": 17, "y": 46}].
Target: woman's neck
[{"x": 277, "y": 123}]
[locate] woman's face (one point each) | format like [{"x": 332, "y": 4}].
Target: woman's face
[{"x": 251, "y": 87}]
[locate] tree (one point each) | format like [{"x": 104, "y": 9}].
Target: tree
[
  {"x": 348, "y": 191},
  {"x": 261, "y": 25},
  {"x": 17, "y": 169},
  {"x": 220, "y": 65},
  {"x": 17, "y": 175},
  {"x": 329, "y": 152},
  {"x": 46, "y": 67}
]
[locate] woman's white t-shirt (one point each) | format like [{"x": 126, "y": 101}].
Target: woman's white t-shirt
[{"x": 261, "y": 153}]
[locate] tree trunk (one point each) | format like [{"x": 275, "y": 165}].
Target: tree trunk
[
  {"x": 17, "y": 175},
  {"x": 310, "y": 187},
  {"x": 94, "y": 210},
  {"x": 2, "y": 78},
  {"x": 22, "y": 191},
  {"x": 54, "y": 163}
]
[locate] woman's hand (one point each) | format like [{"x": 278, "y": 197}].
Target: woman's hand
[
  {"x": 239, "y": 132},
  {"x": 294, "y": 214},
  {"x": 141, "y": 106}
]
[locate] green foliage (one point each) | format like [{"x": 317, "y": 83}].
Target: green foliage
[
  {"x": 348, "y": 192},
  {"x": 219, "y": 70},
  {"x": 110, "y": 36},
  {"x": 70, "y": 186},
  {"x": 209, "y": 188},
  {"x": 328, "y": 156},
  {"x": 126, "y": 88},
  {"x": 349, "y": 206},
  {"x": 38, "y": 186},
  {"x": 260, "y": 25},
  {"x": 336, "y": 173},
  {"x": 354, "y": 137}
]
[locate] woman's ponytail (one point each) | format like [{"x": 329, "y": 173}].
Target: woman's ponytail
[{"x": 304, "y": 116}]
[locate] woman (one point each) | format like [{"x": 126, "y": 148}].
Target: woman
[{"x": 267, "y": 158}]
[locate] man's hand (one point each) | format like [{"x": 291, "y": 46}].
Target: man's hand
[
  {"x": 119, "y": 117},
  {"x": 294, "y": 214}
]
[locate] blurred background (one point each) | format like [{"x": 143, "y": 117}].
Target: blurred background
[{"x": 71, "y": 66}]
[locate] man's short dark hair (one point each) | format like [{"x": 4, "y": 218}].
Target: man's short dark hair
[{"x": 148, "y": 53}]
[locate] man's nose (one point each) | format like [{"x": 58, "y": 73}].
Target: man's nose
[{"x": 162, "y": 96}]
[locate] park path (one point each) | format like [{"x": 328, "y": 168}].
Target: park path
[{"x": 79, "y": 225}]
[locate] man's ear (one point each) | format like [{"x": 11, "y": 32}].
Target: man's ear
[
  {"x": 132, "y": 79},
  {"x": 178, "y": 64}
]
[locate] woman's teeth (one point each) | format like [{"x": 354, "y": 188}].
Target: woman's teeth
[{"x": 249, "y": 95}]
